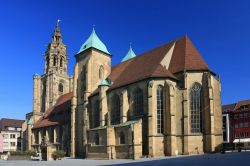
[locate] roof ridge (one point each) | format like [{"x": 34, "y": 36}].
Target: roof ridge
[
  {"x": 11, "y": 119},
  {"x": 144, "y": 53}
]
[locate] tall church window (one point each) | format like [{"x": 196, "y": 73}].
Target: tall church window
[
  {"x": 101, "y": 72},
  {"x": 115, "y": 111},
  {"x": 83, "y": 78},
  {"x": 195, "y": 108},
  {"x": 97, "y": 140},
  {"x": 54, "y": 61},
  {"x": 61, "y": 62},
  {"x": 138, "y": 102},
  {"x": 97, "y": 114},
  {"x": 60, "y": 88},
  {"x": 47, "y": 62},
  {"x": 160, "y": 109},
  {"x": 122, "y": 138}
]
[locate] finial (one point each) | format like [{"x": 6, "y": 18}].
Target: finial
[
  {"x": 57, "y": 25},
  {"x": 130, "y": 45},
  {"x": 93, "y": 26}
]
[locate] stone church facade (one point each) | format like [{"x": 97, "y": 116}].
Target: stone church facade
[{"x": 163, "y": 102}]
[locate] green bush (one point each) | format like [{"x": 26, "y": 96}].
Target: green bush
[
  {"x": 22, "y": 153},
  {"x": 58, "y": 154}
]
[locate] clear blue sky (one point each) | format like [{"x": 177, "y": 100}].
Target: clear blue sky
[{"x": 219, "y": 29}]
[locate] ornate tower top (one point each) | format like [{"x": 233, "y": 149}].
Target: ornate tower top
[
  {"x": 57, "y": 36},
  {"x": 55, "y": 56}
]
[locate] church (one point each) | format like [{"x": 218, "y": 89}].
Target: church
[{"x": 165, "y": 101}]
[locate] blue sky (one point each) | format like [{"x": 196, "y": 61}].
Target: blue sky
[{"x": 219, "y": 29}]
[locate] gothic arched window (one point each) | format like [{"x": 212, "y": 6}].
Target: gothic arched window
[
  {"x": 60, "y": 88},
  {"x": 195, "y": 108},
  {"x": 97, "y": 114},
  {"x": 83, "y": 78},
  {"x": 160, "y": 109},
  {"x": 97, "y": 141},
  {"x": 138, "y": 102},
  {"x": 54, "y": 61},
  {"x": 115, "y": 111},
  {"x": 122, "y": 138},
  {"x": 47, "y": 62},
  {"x": 61, "y": 62},
  {"x": 101, "y": 72}
]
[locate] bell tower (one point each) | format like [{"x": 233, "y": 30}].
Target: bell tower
[
  {"x": 55, "y": 81},
  {"x": 56, "y": 59}
]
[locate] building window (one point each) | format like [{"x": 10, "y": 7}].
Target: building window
[
  {"x": 241, "y": 116},
  {"x": 11, "y": 128},
  {"x": 195, "y": 108},
  {"x": 47, "y": 61},
  {"x": 101, "y": 72},
  {"x": 12, "y": 136},
  {"x": 54, "y": 61},
  {"x": 245, "y": 115},
  {"x": 160, "y": 109},
  {"x": 12, "y": 144},
  {"x": 115, "y": 111},
  {"x": 83, "y": 79},
  {"x": 97, "y": 141},
  {"x": 236, "y": 116},
  {"x": 97, "y": 114},
  {"x": 60, "y": 88},
  {"x": 236, "y": 126},
  {"x": 122, "y": 138},
  {"x": 246, "y": 124},
  {"x": 243, "y": 107},
  {"x": 61, "y": 62},
  {"x": 138, "y": 102}
]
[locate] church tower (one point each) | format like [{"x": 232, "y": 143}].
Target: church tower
[
  {"x": 55, "y": 80},
  {"x": 93, "y": 64},
  {"x": 55, "y": 56}
]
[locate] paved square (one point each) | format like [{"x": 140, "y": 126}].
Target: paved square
[{"x": 228, "y": 159}]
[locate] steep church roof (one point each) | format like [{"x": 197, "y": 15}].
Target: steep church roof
[
  {"x": 164, "y": 61},
  {"x": 56, "y": 114},
  {"x": 144, "y": 66},
  {"x": 129, "y": 55},
  {"x": 94, "y": 42},
  {"x": 186, "y": 57}
]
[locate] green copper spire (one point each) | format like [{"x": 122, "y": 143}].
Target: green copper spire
[
  {"x": 129, "y": 55},
  {"x": 95, "y": 42}
]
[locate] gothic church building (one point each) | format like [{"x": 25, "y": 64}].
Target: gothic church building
[{"x": 165, "y": 101}]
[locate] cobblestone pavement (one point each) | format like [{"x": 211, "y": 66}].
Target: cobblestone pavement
[{"x": 228, "y": 159}]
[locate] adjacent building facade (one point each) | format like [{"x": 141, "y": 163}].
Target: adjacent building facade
[
  {"x": 10, "y": 130},
  {"x": 238, "y": 115},
  {"x": 163, "y": 102},
  {"x": 1, "y": 143}
]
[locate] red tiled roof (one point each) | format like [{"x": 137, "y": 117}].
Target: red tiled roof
[
  {"x": 4, "y": 123},
  {"x": 56, "y": 114},
  {"x": 144, "y": 66},
  {"x": 228, "y": 107},
  {"x": 186, "y": 57},
  {"x": 235, "y": 106},
  {"x": 241, "y": 103}
]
